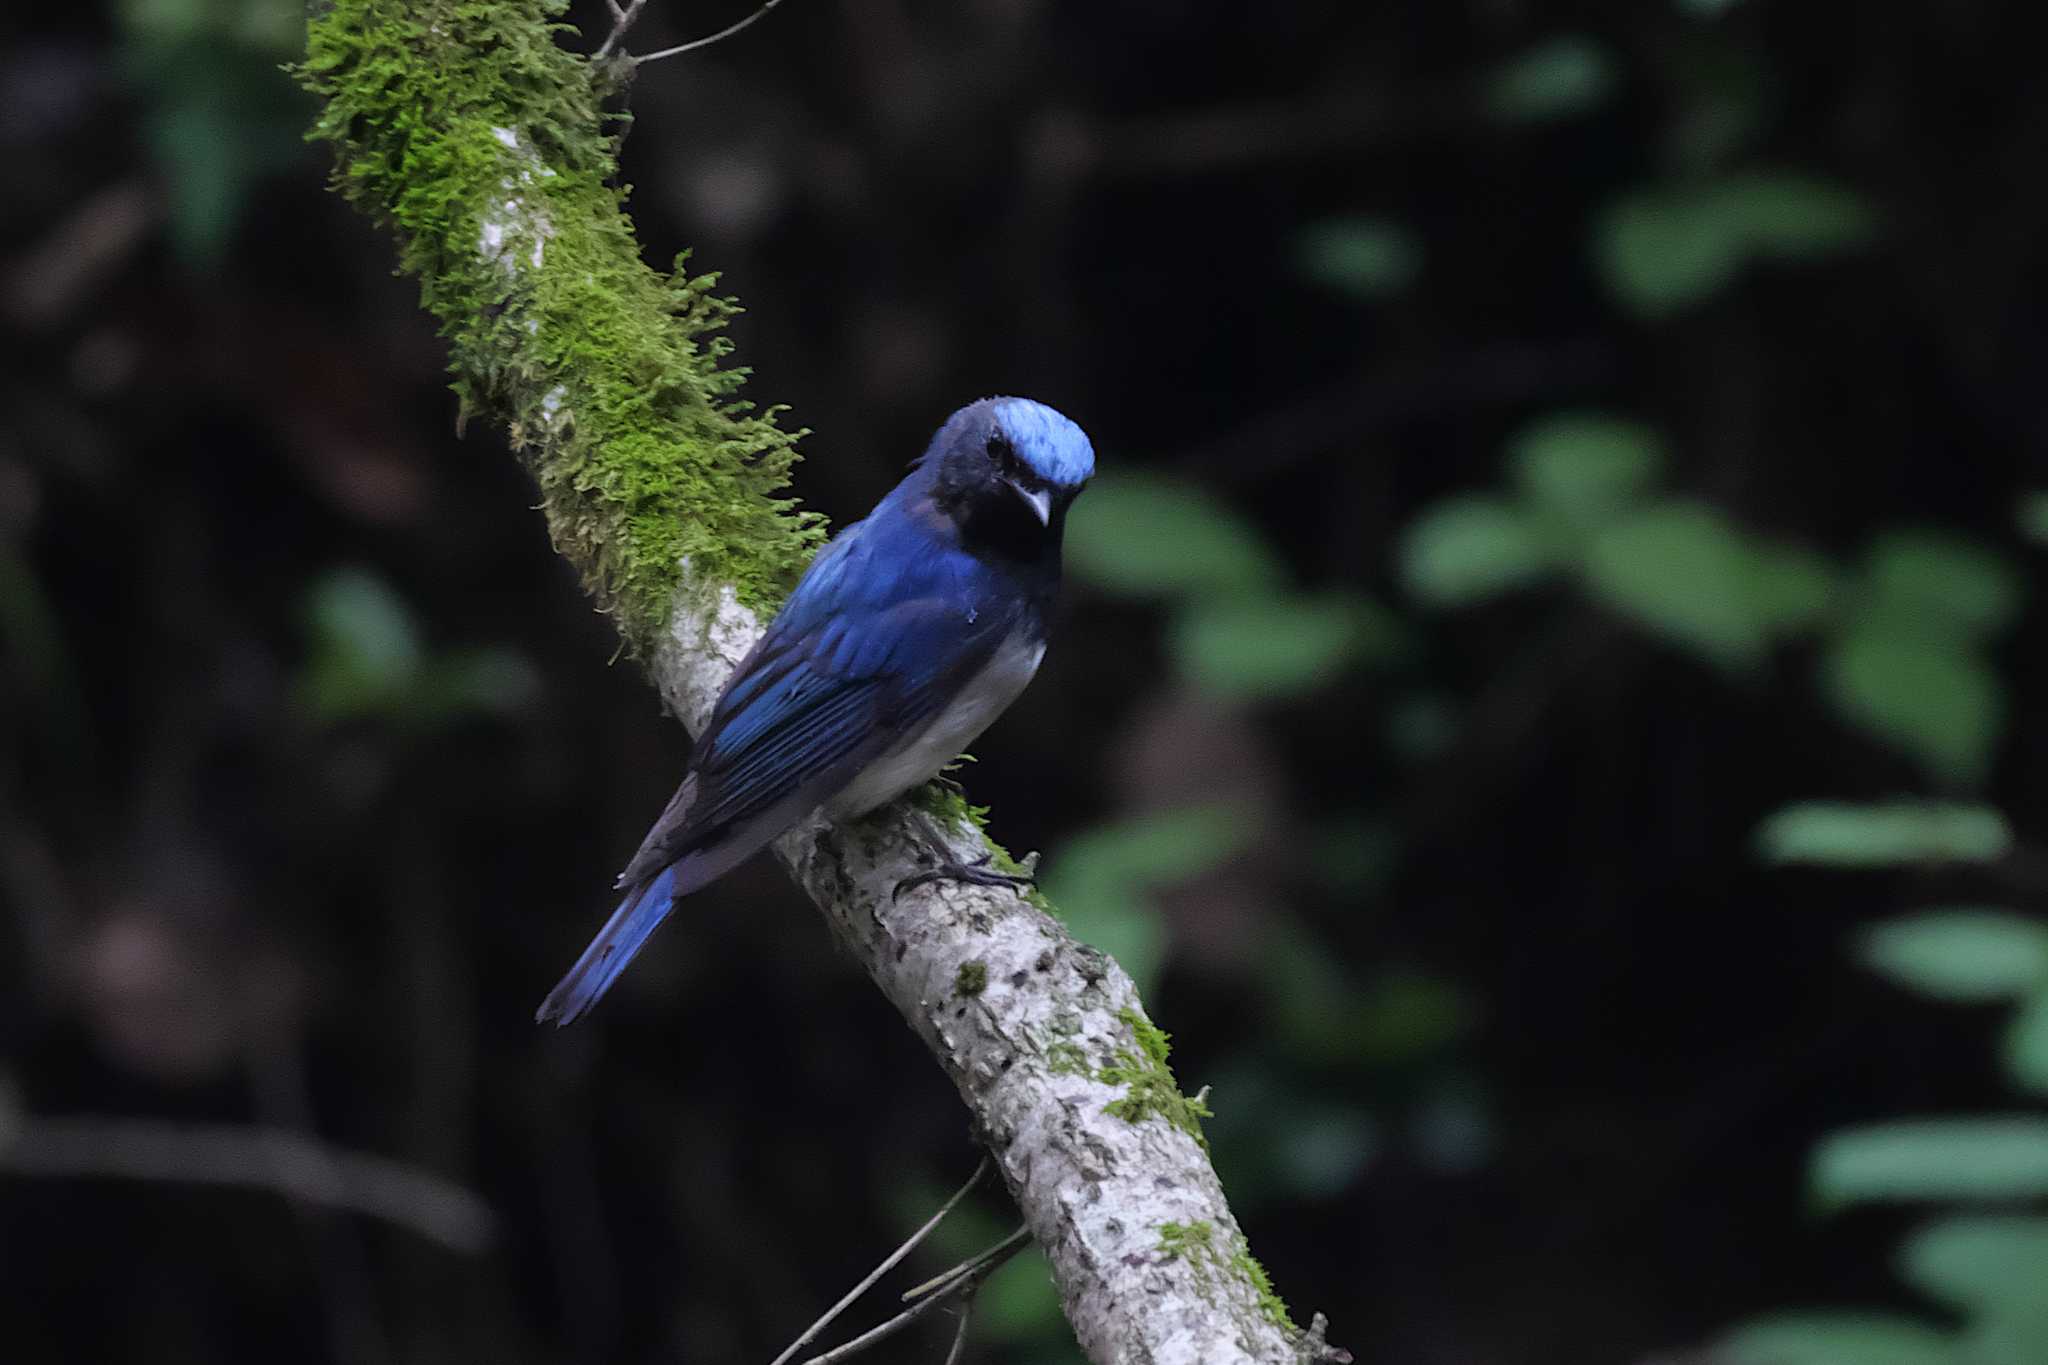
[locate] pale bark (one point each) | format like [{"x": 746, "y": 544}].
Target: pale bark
[{"x": 1096, "y": 1188}]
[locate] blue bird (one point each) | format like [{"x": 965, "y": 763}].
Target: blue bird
[{"x": 908, "y": 635}]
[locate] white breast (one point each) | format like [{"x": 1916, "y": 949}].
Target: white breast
[{"x": 920, "y": 757}]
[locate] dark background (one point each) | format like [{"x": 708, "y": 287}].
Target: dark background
[{"x": 1441, "y": 869}]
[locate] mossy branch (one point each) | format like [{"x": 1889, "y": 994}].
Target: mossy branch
[
  {"x": 481, "y": 142},
  {"x": 480, "y": 139}
]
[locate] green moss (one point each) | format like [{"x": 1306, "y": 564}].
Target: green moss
[
  {"x": 944, "y": 801},
  {"x": 465, "y": 127},
  {"x": 1149, "y": 1086},
  {"x": 1187, "y": 1241},
  {"x": 1066, "y": 1059},
  {"x": 1271, "y": 1306},
  {"x": 972, "y": 978},
  {"x": 1195, "y": 1243}
]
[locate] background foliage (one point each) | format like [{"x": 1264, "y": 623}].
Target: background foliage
[{"x": 1547, "y": 706}]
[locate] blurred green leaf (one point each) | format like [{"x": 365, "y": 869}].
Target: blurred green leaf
[
  {"x": 2026, "y": 1045},
  {"x": 1275, "y": 1137},
  {"x": 1659, "y": 253},
  {"x": 1979, "y": 1263},
  {"x": 2033, "y": 517},
  {"x": 1311, "y": 997},
  {"x": 1099, "y": 879},
  {"x": 1468, "y": 548},
  {"x": 1834, "y": 1338},
  {"x": 1019, "y": 1302},
  {"x": 1930, "y": 696},
  {"x": 1789, "y": 588},
  {"x": 1663, "y": 250},
  {"x": 1963, "y": 955},
  {"x": 1793, "y": 217},
  {"x": 1324, "y": 1015},
  {"x": 2002, "y": 1157},
  {"x": 494, "y": 681},
  {"x": 1706, "y": 9},
  {"x": 1884, "y": 834},
  {"x": 1408, "y": 1014},
  {"x": 1683, "y": 571},
  {"x": 1115, "y": 917},
  {"x": 1452, "y": 1127},
  {"x": 1144, "y": 535},
  {"x": 1942, "y": 584},
  {"x": 1367, "y": 258},
  {"x": 1720, "y": 113},
  {"x": 1354, "y": 851},
  {"x": 274, "y": 27},
  {"x": 1584, "y": 466},
  {"x": 210, "y": 164},
  {"x": 365, "y": 658},
  {"x": 1420, "y": 726},
  {"x": 1320, "y": 1153},
  {"x": 219, "y": 114},
  {"x": 1161, "y": 847},
  {"x": 2015, "y": 1334},
  {"x": 1278, "y": 646},
  {"x": 1557, "y": 79},
  {"x": 365, "y": 649}
]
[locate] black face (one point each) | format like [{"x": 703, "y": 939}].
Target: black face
[
  {"x": 1009, "y": 466},
  {"x": 989, "y": 491}
]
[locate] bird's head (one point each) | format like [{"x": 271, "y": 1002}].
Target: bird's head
[{"x": 1006, "y": 469}]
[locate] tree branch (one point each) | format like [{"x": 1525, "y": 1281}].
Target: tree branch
[
  {"x": 463, "y": 125},
  {"x": 256, "y": 1158}
]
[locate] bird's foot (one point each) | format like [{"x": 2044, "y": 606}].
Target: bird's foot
[{"x": 976, "y": 873}]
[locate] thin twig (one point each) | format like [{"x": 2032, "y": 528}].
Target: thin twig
[
  {"x": 946, "y": 1279},
  {"x": 960, "y": 1333},
  {"x": 966, "y": 1280},
  {"x": 894, "y": 1258},
  {"x": 623, "y": 20},
  {"x": 718, "y": 37}
]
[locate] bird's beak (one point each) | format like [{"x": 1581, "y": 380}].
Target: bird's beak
[{"x": 1039, "y": 502}]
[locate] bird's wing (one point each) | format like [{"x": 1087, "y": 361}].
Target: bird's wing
[{"x": 876, "y": 639}]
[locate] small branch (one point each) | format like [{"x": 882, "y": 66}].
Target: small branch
[
  {"x": 960, "y": 1333},
  {"x": 623, "y": 19},
  {"x": 252, "y": 1158},
  {"x": 945, "y": 1279},
  {"x": 718, "y": 37},
  {"x": 965, "y": 1284},
  {"x": 887, "y": 1265}
]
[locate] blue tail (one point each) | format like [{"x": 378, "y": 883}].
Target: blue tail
[{"x": 637, "y": 916}]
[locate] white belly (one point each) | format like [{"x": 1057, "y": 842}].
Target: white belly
[{"x": 919, "y": 758}]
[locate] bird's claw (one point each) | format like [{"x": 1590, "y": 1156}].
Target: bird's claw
[{"x": 976, "y": 873}]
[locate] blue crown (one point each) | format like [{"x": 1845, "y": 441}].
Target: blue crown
[{"x": 1047, "y": 441}]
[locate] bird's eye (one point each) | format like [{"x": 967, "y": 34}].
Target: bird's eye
[{"x": 1002, "y": 453}]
